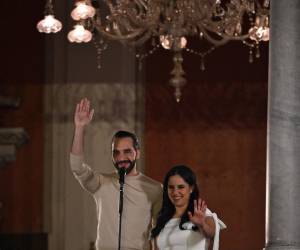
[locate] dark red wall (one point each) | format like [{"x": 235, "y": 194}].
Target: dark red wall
[
  {"x": 21, "y": 182},
  {"x": 21, "y": 76}
]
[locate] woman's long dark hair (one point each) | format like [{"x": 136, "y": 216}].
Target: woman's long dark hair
[{"x": 167, "y": 211}]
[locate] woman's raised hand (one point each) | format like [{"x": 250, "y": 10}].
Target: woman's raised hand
[
  {"x": 198, "y": 216},
  {"x": 83, "y": 114}
]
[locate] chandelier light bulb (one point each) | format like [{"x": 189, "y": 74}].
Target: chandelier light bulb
[
  {"x": 166, "y": 41},
  {"x": 79, "y": 34},
  {"x": 264, "y": 33},
  {"x": 169, "y": 42},
  {"x": 183, "y": 42},
  {"x": 266, "y": 36},
  {"x": 253, "y": 34},
  {"x": 259, "y": 33},
  {"x": 82, "y": 11},
  {"x": 49, "y": 25}
]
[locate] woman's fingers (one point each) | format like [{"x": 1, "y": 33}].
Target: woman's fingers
[
  {"x": 203, "y": 206},
  {"x": 195, "y": 206},
  {"x": 199, "y": 205}
]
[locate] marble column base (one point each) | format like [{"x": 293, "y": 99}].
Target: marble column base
[{"x": 282, "y": 247}]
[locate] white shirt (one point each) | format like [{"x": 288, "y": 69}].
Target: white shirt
[{"x": 173, "y": 238}]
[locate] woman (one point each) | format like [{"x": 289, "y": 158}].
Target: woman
[{"x": 184, "y": 221}]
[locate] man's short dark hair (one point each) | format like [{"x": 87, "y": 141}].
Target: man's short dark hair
[{"x": 126, "y": 134}]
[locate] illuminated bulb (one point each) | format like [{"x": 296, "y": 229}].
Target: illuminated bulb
[
  {"x": 82, "y": 11},
  {"x": 49, "y": 25},
  {"x": 265, "y": 34},
  {"x": 166, "y": 41},
  {"x": 259, "y": 33},
  {"x": 183, "y": 42},
  {"x": 169, "y": 42},
  {"x": 79, "y": 34},
  {"x": 252, "y": 33}
]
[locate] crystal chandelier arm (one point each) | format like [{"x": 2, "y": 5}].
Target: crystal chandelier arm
[
  {"x": 143, "y": 38},
  {"x": 112, "y": 36},
  {"x": 223, "y": 38},
  {"x": 125, "y": 11},
  {"x": 128, "y": 21},
  {"x": 212, "y": 40},
  {"x": 97, "y": 24},
  {"x": 110, "y": 5},
  {"x": 131, "y": 15},
  {"x": 148, "y": 14},
  {"x": 237, "y": 38}
]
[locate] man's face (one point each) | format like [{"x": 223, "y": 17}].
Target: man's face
[{"x": 124, "y": 155}]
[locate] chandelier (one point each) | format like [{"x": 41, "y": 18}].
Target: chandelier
[{"x": 167, "y": 24}]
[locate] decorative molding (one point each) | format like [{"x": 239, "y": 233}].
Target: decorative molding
[
  {"x": 16, "y": 136},
  {"x": 10, "y": 139},
  {"x": 9, "y": 102},
  {"x": 7, "y": 154}
]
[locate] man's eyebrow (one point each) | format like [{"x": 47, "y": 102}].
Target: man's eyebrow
[{"x": 125, "y": 149}]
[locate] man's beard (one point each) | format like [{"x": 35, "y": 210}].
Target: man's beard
[{"x": 127, "y": 169}]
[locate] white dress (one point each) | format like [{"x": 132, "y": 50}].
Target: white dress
[{"x": 173, "y": 238}]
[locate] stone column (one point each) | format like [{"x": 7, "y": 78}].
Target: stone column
[{"x": 283, "y": 152}]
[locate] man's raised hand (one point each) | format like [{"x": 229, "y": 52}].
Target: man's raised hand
[{"x": 83, "y": 114}]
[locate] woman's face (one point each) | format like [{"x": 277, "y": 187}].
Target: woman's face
[{"x": 179, "y": 191}]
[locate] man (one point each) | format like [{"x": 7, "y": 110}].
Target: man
[{"x": 142, "y": 195}]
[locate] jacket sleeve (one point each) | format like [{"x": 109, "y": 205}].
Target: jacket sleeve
[{"x": 87, "y": 178}]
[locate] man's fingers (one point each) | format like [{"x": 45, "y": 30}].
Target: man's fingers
[
  {"x": 77, "y": 107},
  {"x": 91, "y": 114},
  {"x": 81, "y": 105},
  {"x": 86, "y": 105}
]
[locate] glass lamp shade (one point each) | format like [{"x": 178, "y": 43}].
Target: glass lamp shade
[
  {"x": 49, "y": 25},
  {"x": 79, "y": 34},
  {"x": 82, "y": 11}
]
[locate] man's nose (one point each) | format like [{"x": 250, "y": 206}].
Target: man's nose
[{"x": 121, "y": 157}]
